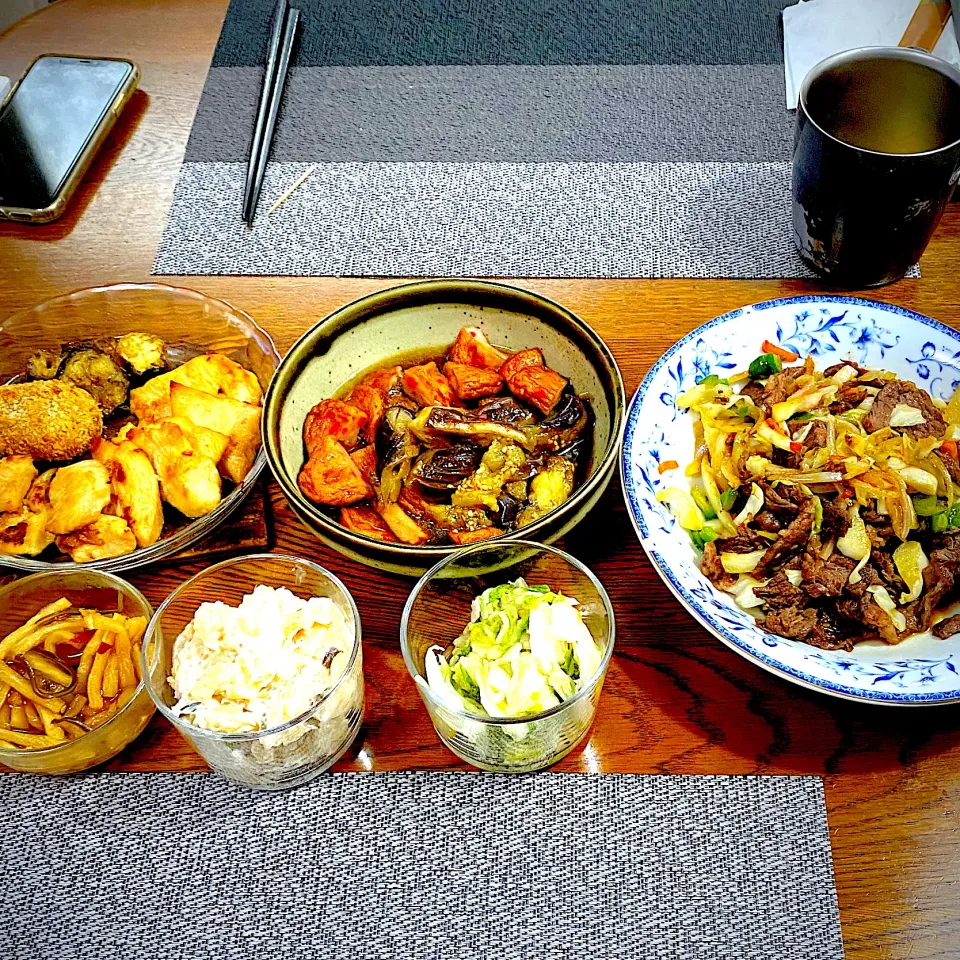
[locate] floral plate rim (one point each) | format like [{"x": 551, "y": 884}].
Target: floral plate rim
[{"x": 766, "y": 662}]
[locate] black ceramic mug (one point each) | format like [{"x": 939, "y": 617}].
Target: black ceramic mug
[{"x": 876, "y": 156}]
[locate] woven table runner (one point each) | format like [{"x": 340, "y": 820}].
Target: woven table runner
[
  {"x": 435, "y": 866},
  {"x": 520, "y": 138}
]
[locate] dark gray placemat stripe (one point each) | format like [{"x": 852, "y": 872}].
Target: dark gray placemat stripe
[
  {"x": 502, "y": 114},
  {"x": 419, "y": 32},
  {"x": 418, "y": 866},
  {"x": 489, "y": 220}
]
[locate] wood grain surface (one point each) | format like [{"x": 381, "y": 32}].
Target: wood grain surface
[{"x": 676, "y": 700}]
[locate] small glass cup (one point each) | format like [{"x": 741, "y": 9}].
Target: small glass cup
[
  {"x": 296, "y": 751},
  {"x": 440, "y": 607}
]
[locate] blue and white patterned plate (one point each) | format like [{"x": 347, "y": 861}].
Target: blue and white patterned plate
[{"x": 921, "y": 670}]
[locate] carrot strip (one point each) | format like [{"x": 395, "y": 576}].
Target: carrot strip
[
  {"x": 783, "y": 354},
  {"x": 667, "y": 465}
]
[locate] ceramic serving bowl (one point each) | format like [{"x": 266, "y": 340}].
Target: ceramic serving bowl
[
  {"x": 371, "y": 332},
  {"x": 920, "y": 670},
  {"x": 190, "y": 323}
]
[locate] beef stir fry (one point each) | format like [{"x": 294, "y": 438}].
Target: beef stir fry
[
  {"x": 827, "y": 503},
  {"x": 458, "y": 449}
]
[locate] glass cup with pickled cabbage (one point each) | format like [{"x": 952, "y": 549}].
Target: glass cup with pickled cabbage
[
  {"x": 257, "y": 662},
  {"x": 508, "y": 645}
]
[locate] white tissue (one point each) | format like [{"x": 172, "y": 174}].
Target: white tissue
[
  {"x": 4, "y": 87},
  {"x": 815, "y": 29}
]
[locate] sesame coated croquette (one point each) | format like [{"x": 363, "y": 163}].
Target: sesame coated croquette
[{"x": 47, "y": 420}]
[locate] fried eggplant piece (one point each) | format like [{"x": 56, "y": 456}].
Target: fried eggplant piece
[
  {"x": 461, "y": 537},
  {"x": 366, "y": 460},
  {"x": 135, "y": 486},
  {"x": 211, "y": 373},
  {"x": 474, "y": 349},
  {"x": 472, "y": 383},
  {"x": 540, "y": 386},
  {"x": 333, "y": 418},
  {"x": 100, "y": 375},
  {"x": 23, "y": 533},
  {"x": 548, "y": 490},
  {"x": 449, "y": 424},
  {"x": 331, "y": 477},
  {"x": 498, "y": 467},
  {"x": 142, "y": 352},
  {"x": 506, "y": 410},
  {"x": 367, "y": 522},
  {"x": 16, "y": 476},
  {"x": 402, "y": 525},
  {"x": 371, "y": 402},
  {"x": 78, "y": 494},
  {"x": 47, "y": 420},
  {"x": 44, "y": 365},
  {"x": 428, "y": 386},
  {"x": 233, "y": 418},
  {"x": 189, "y": 482},
  {"x": 445, "y": 468},
  {"x": 106, "y": 537}
]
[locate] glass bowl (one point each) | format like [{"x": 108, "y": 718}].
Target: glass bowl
[
  {"x": 191, "y": 324},
  {"x": 293, "y": 752},
  {"x": 23, "y": 599},
  {"x": 440, "y": 607}
]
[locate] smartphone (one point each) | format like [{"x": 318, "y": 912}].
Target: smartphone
[{"x": 51, "y": 125}]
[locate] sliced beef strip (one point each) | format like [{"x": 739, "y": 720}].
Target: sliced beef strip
[
  {"x": 837, "y": 367},
  {"x": 939, "y": 578},
  {"x": 951, "y": 463},
  {"x": 896, "y": 392},
  {"x": 873, "y": 615},
  {"x": 712, "y": 569},
  {"x": 779, "y": 592},
  {"x": 744, "y": 542},
  {"x": 836, "y": 517},
  {"x": 947, "y": 628},
  {"x": 779, "y": 499},
  {"x": 753, "y": 390},
  {"x": 797, "y": 623},
  {"x": 778, "y": 387},
  {"x": 817, "y": 437},
  {"x": 767, "y": 520},
  {"x": 790, "y": 541},
  {"x": 879, "y": 523},
  {"x": 848, "y": 398},
  {"x": 829, "y": 633},
  {"x": 887, "y": 568},
  {"x": 825, "y": 578}
]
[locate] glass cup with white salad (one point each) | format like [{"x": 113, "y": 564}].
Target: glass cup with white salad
[
  {"x": 257, "y": 662},
  {"x": 508, "y": 644}
]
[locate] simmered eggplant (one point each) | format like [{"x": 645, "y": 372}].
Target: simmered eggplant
[
  {"x": 437, "y": 423},
  {"x": 446, "y": 468}
]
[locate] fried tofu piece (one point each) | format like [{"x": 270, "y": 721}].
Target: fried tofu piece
[
  {"x": 17, "y": 473},
  {"x": 23, "y": 533},
  {"x": 384, "y": 381},
  {"x": 211, "y": 373},
  {"x": 540, "y": 386},
  {"x": 189, "y": 482},
  {"x": 78, "y": 494},
  {"x": 402, "y": 525},
  {"x": 47, "y": 420},
  {"x": 333, "y": 418},
  {"x": 238, "y": 421},
  {"x": 471, "y": 383},
  {"x": 367, "y": 522},
  {"x": 366, "y": 460},
  {"x": 523, "y": 358},
  {"x": 461, "y": 537},
  {"x": 135, "y": 486},
  {"x": 371, "y": 402},
  {"x": 331, "y": 477},
  {"x": 106, "y": 537},
  {"x": 208, "y": 443},
  {"x": 428, "y": 386},
  {"x": 474, "y": 349}
]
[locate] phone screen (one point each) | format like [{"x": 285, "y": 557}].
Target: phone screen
[{"x": 48, "y": 121}]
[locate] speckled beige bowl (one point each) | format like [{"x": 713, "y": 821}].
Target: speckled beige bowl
[{"x": 370, "y": 332}]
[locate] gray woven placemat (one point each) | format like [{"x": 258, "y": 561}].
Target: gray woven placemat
[
  {"x": 567, "y": 138},
  {"x": 438, "y": 866}
]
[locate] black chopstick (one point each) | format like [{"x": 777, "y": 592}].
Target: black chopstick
[{"x": 262, "y": 133}]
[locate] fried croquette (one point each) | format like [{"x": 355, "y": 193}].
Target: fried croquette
[{"x": 47, "y": 420}]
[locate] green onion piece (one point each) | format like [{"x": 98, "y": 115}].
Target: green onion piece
[
  {"x": 728, "y": 498},
  {"x": 709, "y": 381},
  {"x": 953, "y": 516},
  {"x": 766, "y": 365},
  {"x": 696, "y": 539},
  {"x": 938, "y": 522},
  {"x": 802, "y": 417},
  {"x": 928, "y": 506},
  {"x": 706, "y": 534},
  {"x": 703, "y": 502}
]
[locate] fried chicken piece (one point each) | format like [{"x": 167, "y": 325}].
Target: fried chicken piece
[
  {"x": 208, "y": 443},
  {"x": 331, "y": 477},
  {"x": 370, "y": 400},
  {"x": 142, "y": 352},
  {"x": 333, "y": 418},
  {"x": 366, "y": 460},
  {"x": 211, "y": 373},
  {"x": 78, "y": 494},
  {"x": 106, "y": 537},
  {"x": 189, "y": 482},
  {"x": 402, "y": 525},
  {"x": 47, "y": 420},
  {"x": 471, "y": 383},
  {"x": 474, "y": 349},
  {"x": 428, "y": 386},
  {"x": 367, "y": 522},
  {"x": 37, "y": 499},
  {"x": 23, "y": 533},
  {"x": 16, "y": 475},
  {"x": 236, "y": 420},
  {"x": 135, "y": 487}
]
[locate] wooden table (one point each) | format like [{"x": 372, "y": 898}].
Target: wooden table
[{"x": 676, "y": 700}]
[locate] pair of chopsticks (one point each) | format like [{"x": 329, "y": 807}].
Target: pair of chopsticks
[
  {"x": 285, "y": 22},
  {"x": 926, "y": 25}
]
